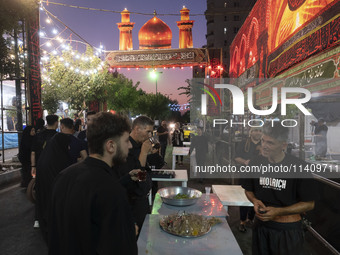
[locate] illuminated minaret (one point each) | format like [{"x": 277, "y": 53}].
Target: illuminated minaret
[
  {"x": 185, "y": 29},
  {"x": 125, "y": 34}
]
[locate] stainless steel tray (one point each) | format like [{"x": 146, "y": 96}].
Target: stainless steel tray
[{"x": 168, "y": 193}]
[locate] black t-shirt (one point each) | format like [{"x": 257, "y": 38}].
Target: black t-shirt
[
  {"x": 82, "y": 135},
  {"x": 280, "y": 192},
  {"x": 162, "y": 138},
  {"x": 40, "y": 141},
  {"x": 156, "y": 160},
  {"x": 75, "y": 147},
  {"x": 247, "y": 153}
]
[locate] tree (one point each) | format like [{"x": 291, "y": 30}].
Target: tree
[
  {"x": 122, "y": 95},
  {"x": 49, "y": 94},
  {"x": 187, "y": 90},
  {"x": 75, "y": 79},
  {"x": 154, "y": 106}
]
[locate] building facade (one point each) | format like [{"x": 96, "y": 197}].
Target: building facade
[{"x": 224, "y": 19}]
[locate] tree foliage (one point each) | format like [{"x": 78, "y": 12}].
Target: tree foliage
[
  {"x": 122, "y": 95},
  {"x": 75, "y": 79},
  {"x": 154, "y": 106}
]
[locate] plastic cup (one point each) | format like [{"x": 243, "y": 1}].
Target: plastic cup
[{"x": 207, "y": 190}]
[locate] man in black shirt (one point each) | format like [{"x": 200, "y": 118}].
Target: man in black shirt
[
  {"x": 90, "y": 212},
  {"x": 77, "y": 148},
  {"x": 41, "y": 140},
  {"x": 163, "y": 137},
  {"x": 142, "y": 128},
  {"x": 39, "y": 143},
  {"x": 278, "y": 202}
]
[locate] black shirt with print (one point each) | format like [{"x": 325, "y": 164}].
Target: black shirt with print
[{"x": 280, "y": 192}]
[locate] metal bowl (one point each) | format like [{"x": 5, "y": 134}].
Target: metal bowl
[{"x": 168, "y": 193}]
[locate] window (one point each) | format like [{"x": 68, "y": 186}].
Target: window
[
  {"x": 236, "y": 18},
  {"x": 225, "y": 42},
  {"x": 225, "y": 30},
  {"x": 236, "y": 30},
  {"x": 225, "y": 18},
  {"x": 236, "y": 4}
]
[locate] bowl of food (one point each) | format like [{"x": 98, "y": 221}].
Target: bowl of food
[
  {"x": 179, "y": 196},
  {"x": 187, "y": 225}
]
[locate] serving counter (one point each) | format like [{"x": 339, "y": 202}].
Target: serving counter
[{"x": 154, "y": 241}]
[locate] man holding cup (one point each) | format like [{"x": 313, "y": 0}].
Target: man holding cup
[{"x": 142, "y": 128}]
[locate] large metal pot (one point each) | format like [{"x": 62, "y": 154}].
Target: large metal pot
[{"x": 167, "y": 194}]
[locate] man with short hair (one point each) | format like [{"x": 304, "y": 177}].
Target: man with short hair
[
  {"x": 89, "y": 118},
  {"x": 77, "y": 148},
  {"x": 41, "y": 139},
  {"x": 278, "y": 201},
  {"x": 39, "y": 143},
  {"x": 142, "y": 128},
  {"x": 90, "y": 212}
]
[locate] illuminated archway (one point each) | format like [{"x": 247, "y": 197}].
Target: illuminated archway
[
  {"x": 242, "y": 54},
  {"x": 235, "y": 61},
  {"x": 253, "y": 35}
]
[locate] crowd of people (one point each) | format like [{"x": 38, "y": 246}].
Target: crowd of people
[
  {"x": 89, "y": 195},
  {"x": 92, "y": 185}
]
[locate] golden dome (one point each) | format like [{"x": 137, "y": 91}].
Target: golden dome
[{"x": 155, "y": 34}]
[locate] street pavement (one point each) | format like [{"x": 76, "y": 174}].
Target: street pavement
[
  {"x": 9, "y": 154},
  {"x": 17, "y": 235}
]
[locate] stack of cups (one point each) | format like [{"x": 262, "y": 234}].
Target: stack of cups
[{"x": 207, "y": 192}]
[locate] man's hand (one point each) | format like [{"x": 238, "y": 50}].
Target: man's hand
[
  {"x": 269, "y": 213},
  {"x": 258, "y": 205},
  {"x": 134, "y": 174},
  {"x": 136, "y": 228},
  {"x": 146, "y": 147},
  {"x": 33, "y": 171}
]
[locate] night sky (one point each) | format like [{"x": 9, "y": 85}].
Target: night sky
[{"x": 98, "y": 27}]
